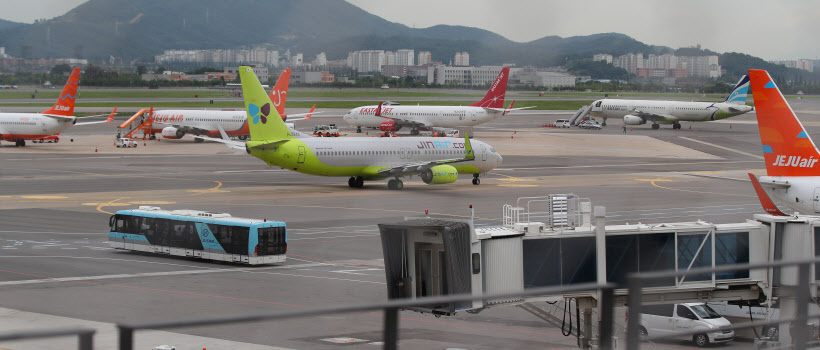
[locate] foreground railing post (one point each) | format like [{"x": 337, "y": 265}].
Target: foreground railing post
[
  {"x": 633, "y": 324},
  {"x": 86, "y": 341},
  {"x": 800, "y": 328},
  {"x": 607, "y": 321},
  {"x": 126, "y": 338},
  {"x": 391, "y": 328}
]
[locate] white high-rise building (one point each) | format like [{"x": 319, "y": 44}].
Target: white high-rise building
[
  {"x": 425, "y": 57},
  {"x": 366, "y": 60},
  {"x": 321, "y": 59},
  {"x": 462, "y": 59},
  {"x": 602, "y": 57},
  {"x": 297, "y": 60},
  {"x": 405, "y": 57},
  {"x": 389, "y": 58}
]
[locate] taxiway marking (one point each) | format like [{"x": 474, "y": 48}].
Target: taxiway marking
[{"x": 722, "y": 147}]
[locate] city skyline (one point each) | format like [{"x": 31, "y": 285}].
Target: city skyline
[{"x": 725, "y": 26}]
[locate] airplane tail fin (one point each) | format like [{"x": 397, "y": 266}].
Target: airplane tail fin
[
  {"x": 765, "y": 200},
  {"x": 787, "y": 148},
  {"x": 264, "y": 122},
  {"x": 378, "y": 112},
  {"x": 739, "y": 93},
  {"x": 495, "y": 96},
  {"x": 279, "y": 94},
  {"x": 65, "y": 104}
]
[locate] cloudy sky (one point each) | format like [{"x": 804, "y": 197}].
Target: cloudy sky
[{"x": 768, "y": 29}]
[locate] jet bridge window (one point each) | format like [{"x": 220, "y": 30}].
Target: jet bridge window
[
  {"x": 730, "y": 249},
  {"x": 694, "y": 250},
  {"x": 817, "y": 252},
  {"x": 559, "y": 261},
  {"x": 640, "y": 253}
]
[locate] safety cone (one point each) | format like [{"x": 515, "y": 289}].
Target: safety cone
[
  {"x": 95, "y": 149},
  {"x": 730, "y": 126},
  {"x": 690, "y": 127},
  {"x": 145, "y": 143}
]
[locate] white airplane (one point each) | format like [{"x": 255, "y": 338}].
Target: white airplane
[
  {"x": 19, "y": 127},
  {"x": 174, "y": 124},
  {"x": 361, "y": 159},
  {"x": 394, "y": 116},
  {"x": 638, "y": 112},
  {"x": 792, "y": 174}
]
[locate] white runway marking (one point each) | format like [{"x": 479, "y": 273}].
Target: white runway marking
[{"x": 723, "y": 147}]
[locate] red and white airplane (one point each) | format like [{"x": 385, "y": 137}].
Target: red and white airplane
[
  {"x": 394, "y": 117},
  {"x": 19, "y": 127},
  {"x": 792, "y": 174},
  {"x": 174, "y": 124}
]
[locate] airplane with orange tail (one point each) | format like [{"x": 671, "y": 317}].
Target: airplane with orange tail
[
  {"x": 19, "y": 127},
  {"x": 792, "y": 173},
  {"x": 175, "y": 124}
]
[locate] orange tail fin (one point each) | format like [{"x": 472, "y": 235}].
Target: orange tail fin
[
  {"x": 495, "y": 96},
  {"x": 65, "y": 104},
  {"x": 279, "y": 94},
  {"x": 787, "y": 148}
]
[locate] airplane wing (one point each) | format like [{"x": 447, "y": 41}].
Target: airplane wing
[
  {"x": 401, "y": 121},
  {"x": 239, "y": 144},
  {"x": 653, "y": 116},
  {"x": 308, "y": 114},
  {"x": 506, "y": 110},
  {"x": 419, "y": 167},
  {"x": 110, "y": 118}
]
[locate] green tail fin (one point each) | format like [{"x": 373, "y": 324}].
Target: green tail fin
[
  {"x": 264, "y": 122},
  {"x": 468, "y": 148}
]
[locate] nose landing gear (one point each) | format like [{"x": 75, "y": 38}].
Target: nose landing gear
[{"x": 476, "y": 180}]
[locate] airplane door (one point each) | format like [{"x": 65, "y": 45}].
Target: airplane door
[
  {"x": 817, "y": 200},
  {"x": 431, "y": 271},
  {"x": 483, "y": 153},
  {"x": 409, "y": 153},
  {"x": 401, "y": 153},
  {"x": 43, "y": 124},
  {"x": 301, "y": 158},
  {"x": 474, "y": 114}
]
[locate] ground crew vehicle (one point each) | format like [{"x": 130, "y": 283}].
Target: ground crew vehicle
[
  {"x": 677, "y": 318},
  {"x": 126, "y": 142},
  {"x": 326, "y": 130}
]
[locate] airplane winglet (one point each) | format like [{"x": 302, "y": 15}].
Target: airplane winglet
[
  {"x": 509, "y": 108},
  {"x": 113, "y": 113},
  {"x": 765, "y": 200},
  {"x": 311, "y": 112}
]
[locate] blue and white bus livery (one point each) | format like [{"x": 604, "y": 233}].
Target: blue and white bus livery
[{"x": 194, "y": 233}]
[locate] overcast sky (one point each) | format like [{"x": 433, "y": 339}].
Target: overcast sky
[{"x": 784, "y": 29}]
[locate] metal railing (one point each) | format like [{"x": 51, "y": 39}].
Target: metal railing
[
  {"x": 635, "y": 283},
  {"x": 85, "y": 336},
  {"x": 391, "y": 313}
]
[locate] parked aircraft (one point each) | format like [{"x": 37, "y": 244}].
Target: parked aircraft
[
  {"x": 792, "y": 174},
  {"x": 19, "y": 127},
  {"x": 435, "y": 160},
  {"x": 174, "y": 124},
  {"x": 638, "y": 112},
  {"x": 393, "y": 116}
]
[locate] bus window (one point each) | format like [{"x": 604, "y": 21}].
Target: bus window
[
  {"x": 234, "y": 239},
  {"x": 126, "y": 224},
  {"x": 272, "y": 241}
]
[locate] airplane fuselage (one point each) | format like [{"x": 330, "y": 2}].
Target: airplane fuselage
[
  {"x": 201, "y": 122},
  {"x": 803, "y": 193},
  {"x": 365, "y": 157},
  {"x": 676, "y": 111},
  {"x": 29, "y": 126},
  {"x": 429, "y": 116}
]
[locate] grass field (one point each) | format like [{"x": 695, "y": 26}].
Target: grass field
[{"x": 171, "y": 94}]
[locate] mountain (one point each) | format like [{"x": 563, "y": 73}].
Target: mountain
[{"x": 4, "y": 24}]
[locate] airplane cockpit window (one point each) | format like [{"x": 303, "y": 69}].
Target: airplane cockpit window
[{"x": 598, "y": 103}]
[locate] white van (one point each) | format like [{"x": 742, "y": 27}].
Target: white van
[
  {"x": 562, "y": 123},
  {"x": 668, "y": 319}
]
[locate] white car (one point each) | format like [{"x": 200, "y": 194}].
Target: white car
[
  {"x": 562, "y": 123},
  {"x": 124, "y": 142},
  {"x": 588, "y": 124},
  {"x": 669, "y": 319}
]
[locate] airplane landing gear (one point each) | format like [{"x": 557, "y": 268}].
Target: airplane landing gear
[
  {"x": 656, "y": 126},
  {"x": 476, "y": 180},
  {"x": 20, "y": 143},
  {"x": 676, "y": 126},
  {"x": 395, "y": 184},
  {"x": 414, "y": 132},
  {"x": 355, "y": 182},
  {"x": 358, "y": 129},
  {"x": 198, "y": 140},
  {"x": 603, "y": 123}
]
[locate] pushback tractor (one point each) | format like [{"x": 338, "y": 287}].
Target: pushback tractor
[{"x": 199, "y": 234}]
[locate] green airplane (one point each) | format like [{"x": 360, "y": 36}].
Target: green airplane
[{"x": 435, "y": 160}]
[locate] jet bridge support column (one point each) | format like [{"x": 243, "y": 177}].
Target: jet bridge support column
[{"x": 600, "y": 253}]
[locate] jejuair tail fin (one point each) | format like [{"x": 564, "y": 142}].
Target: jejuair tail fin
[
  {"x": 787, "y": 148},
  {"x": 264, "y": 121},
  {"x": 739, "y": 93},
  {"x": 65, "y": 104},
  {"x": 279, "y": 94}
]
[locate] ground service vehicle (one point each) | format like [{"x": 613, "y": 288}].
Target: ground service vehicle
[
  {"x": 126, "y": 142},
  {"x": 326, "y": 130},
  {"x": 200, "y": 234},
  {"x": 562, "y": 123},
  {"x": 676, "y": 318}
]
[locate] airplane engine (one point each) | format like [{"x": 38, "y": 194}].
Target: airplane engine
[
  {"x": 633, "y": 120},
  {"x": 171, "y": 132},
  {"x": 389, "y": 125},
  {"x": 440, "y": 174}
]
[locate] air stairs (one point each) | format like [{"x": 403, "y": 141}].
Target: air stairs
[
  {"x": 141, "y": 121},
  {"x": 579, "y": 115}
]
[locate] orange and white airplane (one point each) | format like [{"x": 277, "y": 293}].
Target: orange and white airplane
[
  {"x": 792, "y": 173},
  {"x": 19, "y": 127},
  {"x": 174, "y": 124}
]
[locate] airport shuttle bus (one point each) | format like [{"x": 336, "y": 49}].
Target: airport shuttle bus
[{"x": 194, "y": 233}]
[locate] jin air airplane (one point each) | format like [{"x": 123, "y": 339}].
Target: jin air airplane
[
  {"x": 394, "y": 117},
  {"x": 638, "y": 112},
  {"x": 174, "y": 124},
  {"x": 360, "y": 159},
  {"x": 19, "y": 127}
]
